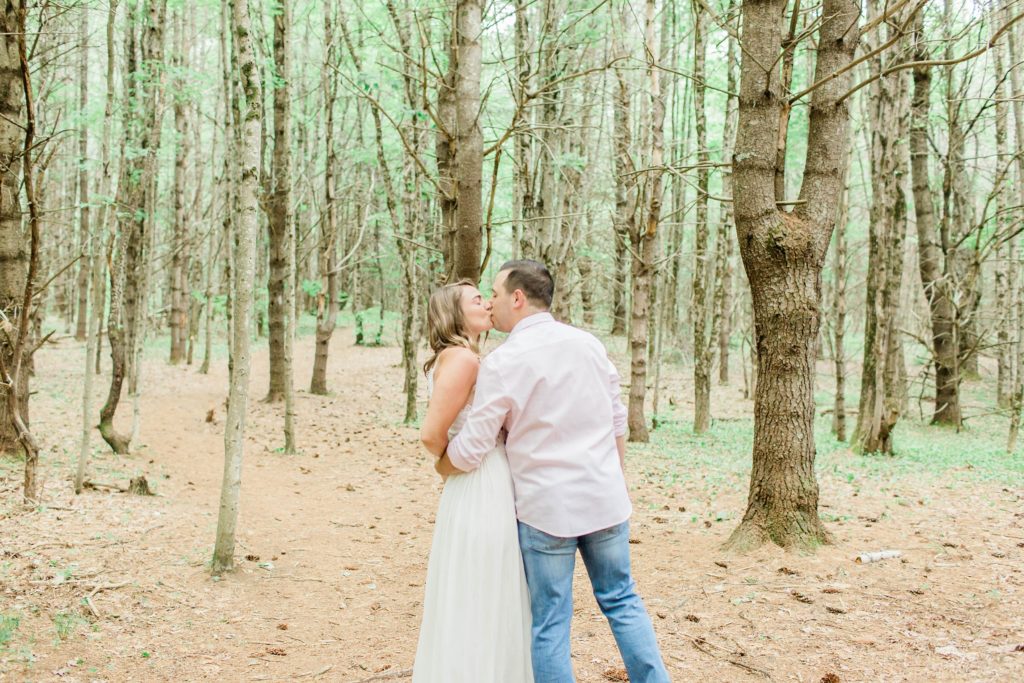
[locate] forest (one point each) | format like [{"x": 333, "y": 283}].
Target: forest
[{"x": 796, "y": 226}]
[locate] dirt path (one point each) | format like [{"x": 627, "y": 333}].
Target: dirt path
[{"x": 335, "y": 542}]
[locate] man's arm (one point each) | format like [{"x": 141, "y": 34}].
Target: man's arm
[
  {"x": 491, "y": 406},
  {"x": 618, "y": 412}
]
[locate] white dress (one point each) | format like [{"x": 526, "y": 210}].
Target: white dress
[{"x": 476, "y": 608}]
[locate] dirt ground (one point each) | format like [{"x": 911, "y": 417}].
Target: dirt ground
[{"x": 333, "y": 543}]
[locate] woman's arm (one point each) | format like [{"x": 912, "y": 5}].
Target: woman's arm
[{"x": 454, "y": 378}]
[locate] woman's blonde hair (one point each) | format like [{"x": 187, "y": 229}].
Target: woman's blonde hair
[{"x": 446, "y": 325}]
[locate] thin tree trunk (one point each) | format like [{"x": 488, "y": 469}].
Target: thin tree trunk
[
  {"x": 839, "y": 270},
  {"x": 624, "y": 220},
  {"x": 83, "y": 181},
  {"x": 327, "y": 297},
  {"x": 930, "y": 254},
  {"x": 701, "y": 304},
  {"x": 281, "y": 229},
  {"x": 180, "y": 256},
  {"x": 726, "y": 228},
  {"x": 644, "y": 241},
  {"x": 245, "y": 264},
  {"x": 880, "y": 404},
  {"x": 279, "y": 223},
  {"x": 97, "y": 271},
  {"x": 1017, "y": 95}
]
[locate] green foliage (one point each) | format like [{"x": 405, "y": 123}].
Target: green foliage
[
  {"x": 65, "y": 624},
  {"x": 8, "y": 625}
]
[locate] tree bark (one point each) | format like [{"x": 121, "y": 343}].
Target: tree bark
[
  {"x": 783, "y": 254},
  {"x": 839, "y": 269},
  {"x": 624, "y": 220},
  {"x": 14, "y": 255},
  {"x": 85, "y": 264},
  {"x": 880, "y": 404},
  {"x": 937, "y": 285},
  {"x": 96, "y": 241},
  {"x": 726, "y": 227},
  {"x": 180, "y": 253},
  {"x": 644, "y": 240},
  {"x": 460, "y": 144},
  {"x": 1017, "y": 94},
  {"x": 279, "y": 223},
  {"x": 702, "y": 284},
  {"x": 327, "y": 297},
  {"x": 245, "y": 257}
]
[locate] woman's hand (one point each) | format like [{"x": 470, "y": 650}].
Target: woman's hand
[{"x": 443, "y": 466}]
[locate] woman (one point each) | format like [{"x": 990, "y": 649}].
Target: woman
[{"x": 476, "y": 613}]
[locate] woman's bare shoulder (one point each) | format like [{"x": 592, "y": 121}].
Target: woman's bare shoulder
[{"x": 457, "y": 360}]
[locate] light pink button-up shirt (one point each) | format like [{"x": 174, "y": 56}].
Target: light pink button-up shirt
[{"x": 554, "y": 390}]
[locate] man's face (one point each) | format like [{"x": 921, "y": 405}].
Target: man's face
[{"x": 502, "y": 314}]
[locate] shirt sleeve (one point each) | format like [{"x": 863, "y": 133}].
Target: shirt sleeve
[
  {"x": 615, "y": 391},
  {"x": 491, "y": 405}
]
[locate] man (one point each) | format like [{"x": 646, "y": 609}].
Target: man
[{"x": 554, "y": 391}]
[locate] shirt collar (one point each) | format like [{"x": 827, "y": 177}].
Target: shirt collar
[{"x": 531, "y": 320}]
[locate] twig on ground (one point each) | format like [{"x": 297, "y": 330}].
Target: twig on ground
[
  {"x": 397, "y": 673},
  {"x": 699, "y": 643}
]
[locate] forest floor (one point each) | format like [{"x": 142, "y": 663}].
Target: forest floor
[{"x": 333, "y": 542}]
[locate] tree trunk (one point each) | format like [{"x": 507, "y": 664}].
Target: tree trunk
[
  {"x": 725, "y": 230},
  {"x": 281, "y": 227},
  {"x": 129, "y": 231},
  {"x": 1017, "y": 95},
  {"x": 83, "y": 181},
  {"x": 180, "y": 257},
  {"x": 14, "y": 255},
  {"x": 279, "y": 223},
  {"x": 783, "y": 254},
  {"x": 839, "y": 316},
  {"x": 461, "y": 168},
  {"x": 327, "y": 297},
  {"x": 880, "y": 404},
  {"x": 624, "y": 220},
  {"x": 1005, "y": 268},
  {"x": 701, "y": 304},
  {"x": 930, "y": 255},
  {"x": 96, "y": 254},
  {"x": 644, "y": 241},
  {"x": 248, "y": 224}
]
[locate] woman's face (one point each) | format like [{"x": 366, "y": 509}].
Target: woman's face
[{"x": 475, "y": 311}]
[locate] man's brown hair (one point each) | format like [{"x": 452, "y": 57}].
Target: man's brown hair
[{"x": 533, "y": 278}]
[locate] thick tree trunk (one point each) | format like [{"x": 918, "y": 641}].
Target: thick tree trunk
[
  {"x": 783, "y": 254},
  {"x": 14, "y": 255},
  {"x": 248, "y": 224}
]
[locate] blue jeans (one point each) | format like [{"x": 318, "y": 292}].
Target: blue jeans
[{"x": 549, "y": 562}]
